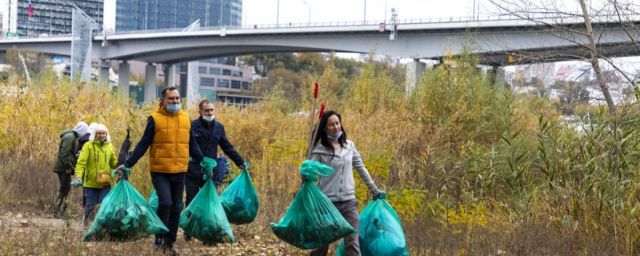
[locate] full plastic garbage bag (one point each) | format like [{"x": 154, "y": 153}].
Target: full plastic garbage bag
[
  {"x": 124, "y": 215},
  {"x": 312, "y": 220}
]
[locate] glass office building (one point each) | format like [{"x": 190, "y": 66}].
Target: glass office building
[
  {"x": 48, "y": 17},
  {"x": 134, "y": 15},
  {"x": 218, "y": 79}
]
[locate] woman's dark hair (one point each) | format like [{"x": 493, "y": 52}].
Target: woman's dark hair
[{"x": 322, "y": 135}]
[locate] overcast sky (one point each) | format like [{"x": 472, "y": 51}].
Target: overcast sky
[
  {"x": 302, "y": 11},
  {"x": 298, "y": 11}
]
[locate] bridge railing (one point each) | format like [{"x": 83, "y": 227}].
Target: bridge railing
[
  {"x": 545, "y": 18},
  {"x": 564, "y": 18}
]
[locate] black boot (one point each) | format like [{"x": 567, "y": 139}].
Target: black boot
[
  {"x": 170, "y": 250},
  {"x": 157, "y": 243},
  {"x": 61, "y": 208}
]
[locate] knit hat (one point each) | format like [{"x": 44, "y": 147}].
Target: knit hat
[{"x": 81, "y": 128}]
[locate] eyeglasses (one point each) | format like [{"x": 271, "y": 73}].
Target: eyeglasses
[{"x": 207, "y": 110}]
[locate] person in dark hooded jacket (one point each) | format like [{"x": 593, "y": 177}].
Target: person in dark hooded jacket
[{"x": 65, "y": 164}]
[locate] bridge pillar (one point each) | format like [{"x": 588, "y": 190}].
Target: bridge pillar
[
  {"x": 169, "y": 74},
  {"x": 123, "y": 79},
  {"x": 191, "y": 90},
  {"x": 150, "y": 87},
  {"x": 103, "y": 77},
  {"x": 415, "y": 71}
]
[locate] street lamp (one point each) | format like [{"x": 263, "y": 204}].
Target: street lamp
[
  {"x": 385, "y": 11},
  {"x": 365, "y": 12},
  {"x": 278, "y": 14},
  {"x": 308, "y": 6}
]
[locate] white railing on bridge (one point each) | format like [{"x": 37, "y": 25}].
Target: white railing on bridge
[{"x": 544, "y": 18}]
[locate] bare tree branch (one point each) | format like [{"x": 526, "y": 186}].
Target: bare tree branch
[{"x": 561, "y": 22}]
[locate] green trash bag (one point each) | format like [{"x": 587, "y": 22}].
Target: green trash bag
[
  {"x": 153, "y": 200},
  {"x": 204, "y": 218},
  {"x": 240, "y": 200},
  {"x": 380, "y": 231},
  {"x": 124, "y": 215},
  {"x": 312, "y": 220}
]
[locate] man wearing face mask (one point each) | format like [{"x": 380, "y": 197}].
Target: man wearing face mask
[
  {"x": 208, "y": 134},
  {"x": 168, "y": 135}
]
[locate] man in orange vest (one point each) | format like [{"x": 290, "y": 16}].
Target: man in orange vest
[{"x": 169, "y": 139}]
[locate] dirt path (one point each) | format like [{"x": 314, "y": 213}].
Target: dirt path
[{"x": 34, "y": 234}]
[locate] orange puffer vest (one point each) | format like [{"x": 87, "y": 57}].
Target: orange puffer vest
[{"x": 170, "y": 147}]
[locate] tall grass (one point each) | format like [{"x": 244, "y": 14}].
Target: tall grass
[{"x": 470, "y": 167}]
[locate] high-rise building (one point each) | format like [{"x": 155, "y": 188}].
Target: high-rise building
[
  {"x": 45, "y": 17},
  {"x": 161, "y": 14},
  {"x": 218, "y": 79}
]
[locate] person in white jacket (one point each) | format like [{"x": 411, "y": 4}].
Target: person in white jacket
[{"x": 332, "y": 148}]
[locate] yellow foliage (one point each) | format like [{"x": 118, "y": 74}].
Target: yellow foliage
[{"x": 468, "y": 217}]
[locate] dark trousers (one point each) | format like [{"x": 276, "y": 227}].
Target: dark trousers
[
  {"x": 192, "y": 185},
  {"x": 169, "y": 187},
  {"x": 63, "y": 192},
  {"x": 92, "y": 197},
  {"x": 349, "y": 210}
]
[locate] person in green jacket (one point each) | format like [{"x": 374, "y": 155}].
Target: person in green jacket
[
  {"x": 93, "y": 170},
  {"x": 65, "y": 162}
]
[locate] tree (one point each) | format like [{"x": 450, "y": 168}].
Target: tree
[
  {"x": 555, "y": 14},
  {"x": 269, "y": 61},
  {"x": 34, "y": 62}
]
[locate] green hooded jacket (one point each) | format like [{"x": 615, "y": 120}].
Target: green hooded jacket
[
  {"x": 95, "y": 157},
  {"x": 66, "y": 152}
]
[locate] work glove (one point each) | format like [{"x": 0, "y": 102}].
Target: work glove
[
  {"x": 378, "y": 194},
  {"x": 122, "y": 172},
  {"x": 76, "y": 182},
  {"x": 208, "y": 164}
]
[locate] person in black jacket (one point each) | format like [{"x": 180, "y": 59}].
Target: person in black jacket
[{"x": 208, "y": 134}]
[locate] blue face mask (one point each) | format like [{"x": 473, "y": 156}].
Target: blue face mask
[
  {"x": 173, "y": 108},
  {"x": 334, "y": 138}
]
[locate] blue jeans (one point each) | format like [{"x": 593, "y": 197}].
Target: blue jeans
[
  {"x": 169, "y": 187},
  {"x": 92, "y": 197}
]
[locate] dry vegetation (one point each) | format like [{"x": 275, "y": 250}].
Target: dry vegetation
[{"x": 470, "y": 168}]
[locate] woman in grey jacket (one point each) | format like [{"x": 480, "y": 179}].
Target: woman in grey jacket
[{"x": 332, "y": 148}]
